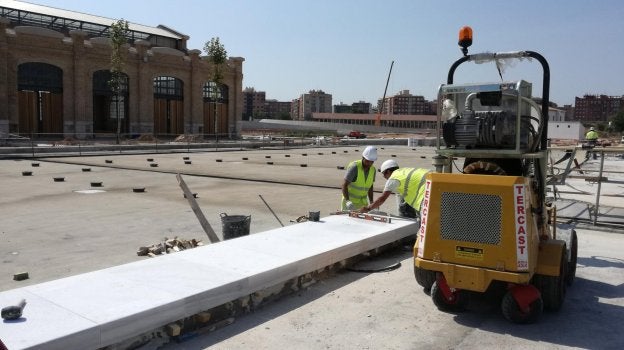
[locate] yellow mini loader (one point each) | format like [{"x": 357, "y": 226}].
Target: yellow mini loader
[{"x": 488, "y": 225}]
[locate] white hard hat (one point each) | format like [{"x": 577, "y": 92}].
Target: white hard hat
[
  {"x": 370, "y": 153},
  {"x": 591, "y": 129},
  {"x": 388, "y": 164}
]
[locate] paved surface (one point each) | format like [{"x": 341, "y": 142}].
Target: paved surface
[
  {"x": 101, "y": 308},
  {"x": 52, "y": 231},
  {"x": 389, "y": 311}
]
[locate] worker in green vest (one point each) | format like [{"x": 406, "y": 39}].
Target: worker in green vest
[
  {"x": 357, "y": 187},
  {"x": 592, "y": 138},
  {"x": 407, "y": 183}
]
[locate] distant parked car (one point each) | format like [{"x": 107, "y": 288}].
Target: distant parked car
[{"x": 357, "y": 135}]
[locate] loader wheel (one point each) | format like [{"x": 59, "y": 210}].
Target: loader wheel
[
  {"x": 572, "y": 242},
  {"x": 424, "y": 277},
  {"x": 571, "y": 273},
  {"x": 512, "y": 311},
  {"x": 457, "y": 303},
  {"x": 553, "y": 288}
]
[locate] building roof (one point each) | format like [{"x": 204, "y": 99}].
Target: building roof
[
  {"x": 39, "y": 15},
  {"x": 372, "y": 116}
]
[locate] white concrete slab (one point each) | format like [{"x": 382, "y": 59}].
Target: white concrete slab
[{"x": 100, "y": 308}]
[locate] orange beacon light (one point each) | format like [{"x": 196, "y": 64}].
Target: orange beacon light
[{"x": 465, "y": 39}]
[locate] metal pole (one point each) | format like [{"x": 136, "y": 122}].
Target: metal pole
[
  {"x": 596, "y": 208},
  {"x": 272, "y": 212},
  {"x": 383, "y": 99}
]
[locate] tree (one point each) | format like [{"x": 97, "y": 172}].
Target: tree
[
  {"x": 617, "y": 122},
  {"x": 118, "y": 36},
  {"x": 217, "y": 56}
]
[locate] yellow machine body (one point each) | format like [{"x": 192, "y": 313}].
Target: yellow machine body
[{"x": 479, "y": 228}]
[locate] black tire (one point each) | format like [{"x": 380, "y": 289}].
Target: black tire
[
  {"x": 553, "y": 288},
  {"x": 425, "y": 278},
  {"x": 512, "y": 312},
  {"x": 458, "y": 304},
  {"x": 569, "y": 236},
  {"x": 571, "y": 272}
]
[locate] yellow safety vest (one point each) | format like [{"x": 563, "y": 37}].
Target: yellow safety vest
[
  {"x": 358, "y": 190},
  {"x": 411, "y": 186},
  {"x": 591, "y": 136}
]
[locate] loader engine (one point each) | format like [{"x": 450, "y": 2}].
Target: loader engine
[
  {"x": 489, "y": 119},
  {"x": 487, "y": 129}
]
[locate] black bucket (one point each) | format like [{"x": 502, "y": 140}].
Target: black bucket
[{"x": 235, "y": 225}]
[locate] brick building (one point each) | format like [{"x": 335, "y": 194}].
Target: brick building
[
  {"x": 406, "y": 104},
  {"x": 360, "y": 107},
  {"x": 254, "y": 103},
  {"x": 597, "y": 108},
  {"x": 278, "y": 109},
  {"x": 315, "y": 101},
  {"x": 55, "y": 67}
]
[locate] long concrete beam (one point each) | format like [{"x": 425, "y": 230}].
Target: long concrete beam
[{"x": 104, "y": 307}]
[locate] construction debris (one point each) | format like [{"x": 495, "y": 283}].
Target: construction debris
[
  {"x": 168, "y": 246},
  {"x": 302, "y": 218}
]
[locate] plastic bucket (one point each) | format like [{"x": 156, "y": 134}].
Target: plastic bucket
[
  {"x": 314, "y": 215},
  {"x": 235, "y": 225}
]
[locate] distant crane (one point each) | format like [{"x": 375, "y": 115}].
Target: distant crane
[{"x": 383, "y": 99}]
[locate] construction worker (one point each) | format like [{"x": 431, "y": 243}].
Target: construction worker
[
  {"x": 592, "y": 138},
  {"x": 407, "y": 183},
  {"x": 357, "y": 187}
]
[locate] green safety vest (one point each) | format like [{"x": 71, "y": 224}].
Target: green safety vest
[
  {"x": 591, "y": 135},
  {"x": 411, "y": 186},
  {"x": 358, "y": 190}
]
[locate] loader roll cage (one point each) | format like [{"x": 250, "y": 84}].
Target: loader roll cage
[
  {"x": 540, "y": 163},
  {"x": 482, "y": 57}
]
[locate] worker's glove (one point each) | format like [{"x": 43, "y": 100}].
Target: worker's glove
[{"x": 349, "y": 205}]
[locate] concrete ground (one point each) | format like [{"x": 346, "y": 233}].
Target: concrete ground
[
  {"x": 388, "y": 310},
  {"x": 52, "y": 230}
]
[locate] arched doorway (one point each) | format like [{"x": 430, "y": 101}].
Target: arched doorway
[
  {"x": 40, "y": 99},
  {"x": 168, "y": 106},
  {"x": 215, "y": 104},
  {"x": 107, "y": 106}
]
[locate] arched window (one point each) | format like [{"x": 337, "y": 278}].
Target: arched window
[
  {"x": 37, "y": 76},
  {"x": 101, "y": 83},
  {"x": 168, "y": 87},
  {"x": 212, "y": 89}
]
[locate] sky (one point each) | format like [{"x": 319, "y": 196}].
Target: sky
[{"x": 346, "y": 47}]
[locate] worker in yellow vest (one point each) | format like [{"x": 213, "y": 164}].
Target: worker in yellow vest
[
  {"x": 407, "y": 183},
  {"x": 591, "y": 135},
  {"x": 592, "y": 138},
  {"x": 357, "y": 187}
]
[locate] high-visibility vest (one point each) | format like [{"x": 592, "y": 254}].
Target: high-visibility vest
[
  {"x": 591, "y": 135},
  {"x": 358, "y": 190},
  {"x": 411, "y": 186}
]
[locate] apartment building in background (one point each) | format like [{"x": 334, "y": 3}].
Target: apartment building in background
[
  {"x": 597, "y": 108},
  {"x": 405, "y": 103},
  {"x": 275, "y": 109},
  {"x": 315, "y": 101},
  {"x": 253, "y": 103}
]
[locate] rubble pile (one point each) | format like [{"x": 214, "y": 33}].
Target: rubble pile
[
  {"x": 168, "y": 246},
  {"x": 189, "y": 138}
]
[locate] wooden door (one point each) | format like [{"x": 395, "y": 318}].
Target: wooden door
[
  {"x": 160, "y": 116},
  {"x": 223, "y": 118},
  {"x": 209, "y": 122},
  {"x": 176, "y": 120},
  {"x": 28, "y": 118},
  {"x": 52, "y": 113}
]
